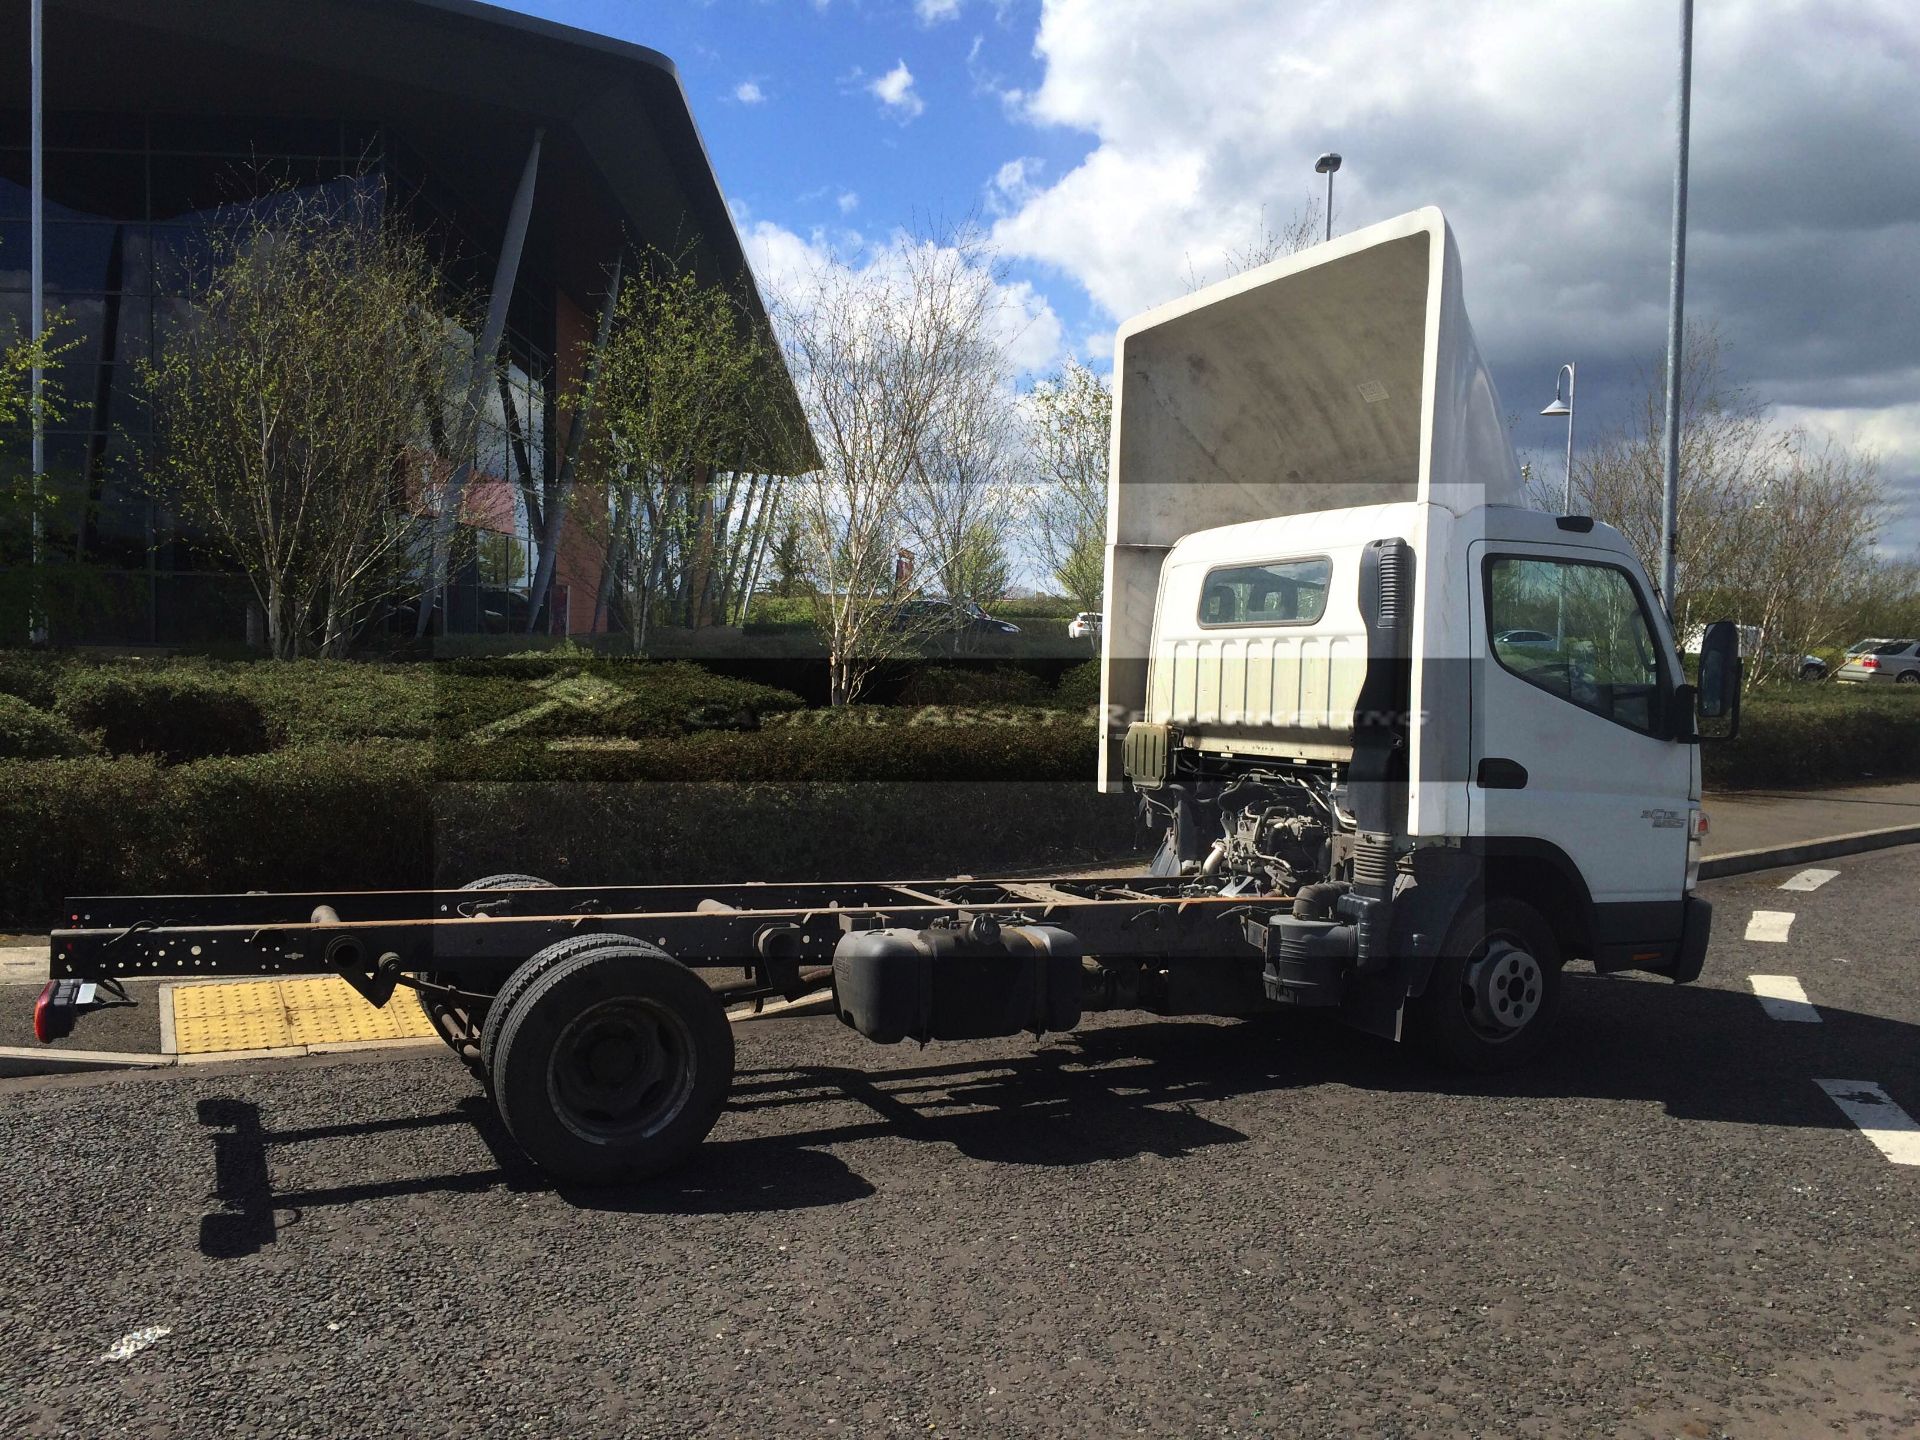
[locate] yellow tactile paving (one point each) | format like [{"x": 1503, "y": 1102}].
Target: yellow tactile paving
[{"x": 274, "y": 1014}]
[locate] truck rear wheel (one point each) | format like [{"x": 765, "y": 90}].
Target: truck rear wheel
[
  {"x": 612, "y": 1065},
  {"x": 1494, "y": 992},
  {"x": 454, "y": 1023},
  {"x": 530, "y": 971}
]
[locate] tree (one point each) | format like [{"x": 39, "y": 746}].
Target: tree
[
  {"x": 27, "y": 504},
  {"x": 678, "y": 418},
  {"x": 963, "y": 496},
  {"x": 294, "y": 397},
  {"x": 884, "y": 356},
  {"x": 1774, "y": 530},
  {"x": 1070, "y": 424},
  {"x": 1266, "y": 244}
]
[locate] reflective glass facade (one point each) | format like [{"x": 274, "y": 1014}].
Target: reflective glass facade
[{"x": 129, "y": 201}]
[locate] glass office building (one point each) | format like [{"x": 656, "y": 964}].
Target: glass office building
[{"x": 161, "y": 119}]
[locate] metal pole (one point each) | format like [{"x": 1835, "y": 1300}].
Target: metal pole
[
  {"x": 1566, "y": 505},
  {"x": 1670, "y": 500},
  {"x": 486, "y": 355},
  {"x": 37, "y": 307},
  {"x": 1329, "y": 204}
]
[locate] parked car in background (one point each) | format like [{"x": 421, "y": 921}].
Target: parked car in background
[
  {"x": 1892, "y": 660},
  {"x": 1085, "y": 626},
  {"x": 956, "y": 621},
  {"x": 1538, "y": 638},
  {"x": 1755, "y": 651}
]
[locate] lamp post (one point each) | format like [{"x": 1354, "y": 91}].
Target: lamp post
[
  {"x": 1565, "y": 407},
  {"x": 1326, "y": 165},
  {"x": 36, "y": 302},
  {"x": 1676, "y": 294}
]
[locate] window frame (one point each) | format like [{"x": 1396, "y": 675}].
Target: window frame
[
  {"x": 1206, "y": 583},
  {"x": 1657, "y": 726}
]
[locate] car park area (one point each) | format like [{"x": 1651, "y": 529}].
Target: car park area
[{"x": 1695, "y": 1216}]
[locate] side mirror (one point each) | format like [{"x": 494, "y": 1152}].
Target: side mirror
[{"x": 1720, "y": 675}]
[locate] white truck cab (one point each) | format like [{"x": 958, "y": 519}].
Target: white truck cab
[{"x": 1341, "y": 661}]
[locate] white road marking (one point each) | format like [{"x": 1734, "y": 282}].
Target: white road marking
[
  {"x": 1782, "y": 998},
  {"x": 1895, "y": 1132},
  {"x": 1809, "y": 880},
  {"x": 1769, "y": 925}
]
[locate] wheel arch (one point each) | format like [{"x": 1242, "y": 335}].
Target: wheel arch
[{"x": 1535, "y": 871}]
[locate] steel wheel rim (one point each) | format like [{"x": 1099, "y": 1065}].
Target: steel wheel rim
[
  {"x": 1503, "y": 989},
  {"x": 621, "y": 1071}
]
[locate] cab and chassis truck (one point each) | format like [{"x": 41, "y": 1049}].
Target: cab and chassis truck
[{"x": 1382, "y": 792}]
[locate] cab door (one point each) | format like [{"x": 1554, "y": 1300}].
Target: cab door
[{"x": 1572, "y": 719}]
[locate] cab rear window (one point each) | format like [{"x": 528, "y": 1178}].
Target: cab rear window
[{"x": 1277, "y": 592}]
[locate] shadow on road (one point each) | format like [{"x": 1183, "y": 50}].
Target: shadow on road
[{"x": 1122, "y": 1091}]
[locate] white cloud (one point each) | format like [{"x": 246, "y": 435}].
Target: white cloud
[
  {"x": 788, "y": 267},
  {"x": 1013, "y": 184},
  {"x": 748, "y": 92},
  {"x": 848, "y": 201},
  {"x": 1546, "y": 134},
  {"x": 932, "y": 12},
  {"x": 895, "y": 91}
]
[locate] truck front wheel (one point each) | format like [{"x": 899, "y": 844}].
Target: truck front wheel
[{"x": 1494, "y": 992}]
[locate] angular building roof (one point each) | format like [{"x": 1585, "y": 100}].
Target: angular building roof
[{"x": 466, "y": 84}]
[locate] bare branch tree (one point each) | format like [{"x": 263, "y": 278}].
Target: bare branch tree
[
  {"x": 1265, "y": 244},
  {"x": 293, "y": 400},
  {"x": 1774, "y": 530},
  {"x": 1070, "y": 423},
  {"x": 879, "y": 355},
  {"x": 675, "y": 416}
]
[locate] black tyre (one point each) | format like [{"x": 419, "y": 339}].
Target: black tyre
[
  {"x": 1813, "y": 672},
  {"x": 612, "y": 1066},
  {"x": 530, "y": 971},
  {"x": 1494, "y": 992},
  {"x": 1907, "y": 677},
  {"x": 456, "y": 1024}
]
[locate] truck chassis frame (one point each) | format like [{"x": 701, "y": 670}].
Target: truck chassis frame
[{"x": 1160, "y": 947}]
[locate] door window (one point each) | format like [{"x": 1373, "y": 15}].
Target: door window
[{"x": 1595, "y": 647}]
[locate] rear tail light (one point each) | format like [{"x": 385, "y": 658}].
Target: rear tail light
[
  {"x": 52, "y": 1019},
  {"x": 1701, "y": 825},
  {"x": 1869, "y": 662}
]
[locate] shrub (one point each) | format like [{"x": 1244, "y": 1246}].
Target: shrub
[
  {"x": 1079, "y": 688},
  {"x": 30, "y": 675},
  {"x": 1811, "y": 735},
  {"x": 173, "y": 714},
  {"x": 93, "y": 826},
  {"x": 769, "y": 805},
  {"x": 27, "y": 733},
  {"x": 972, "y": 685}
]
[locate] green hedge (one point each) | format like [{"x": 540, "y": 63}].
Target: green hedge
[
  {"x": 28, "y": 733},
  {"x": 1818, "y": 735},
  {"x": 972, "y": 685},
  {"x": 1079, "y": 688},
  {"x": 30, "y": 676},
  {"x": 772, "y": 804},
  {"x": 175, "y": 715}
]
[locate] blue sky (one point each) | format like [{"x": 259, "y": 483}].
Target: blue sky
[
  {"x": 1113, "y": 147},
  {"x": 812, "y": 146}
]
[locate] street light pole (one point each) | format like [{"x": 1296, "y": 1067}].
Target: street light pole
[
  {"x": 1326, "y": 165},
  {"x": 1670, "y": 477},
  {"x": 1565, "y": 407},
  {"x": 36, "y": 302}
]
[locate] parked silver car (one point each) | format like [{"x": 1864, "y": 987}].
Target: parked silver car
[{"x": 1895, "y": 660}]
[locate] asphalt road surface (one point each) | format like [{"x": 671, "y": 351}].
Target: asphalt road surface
[{"x": 1174, "y": 1228}]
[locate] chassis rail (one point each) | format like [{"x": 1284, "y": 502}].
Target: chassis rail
[{"x": 475, "y": 938}]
